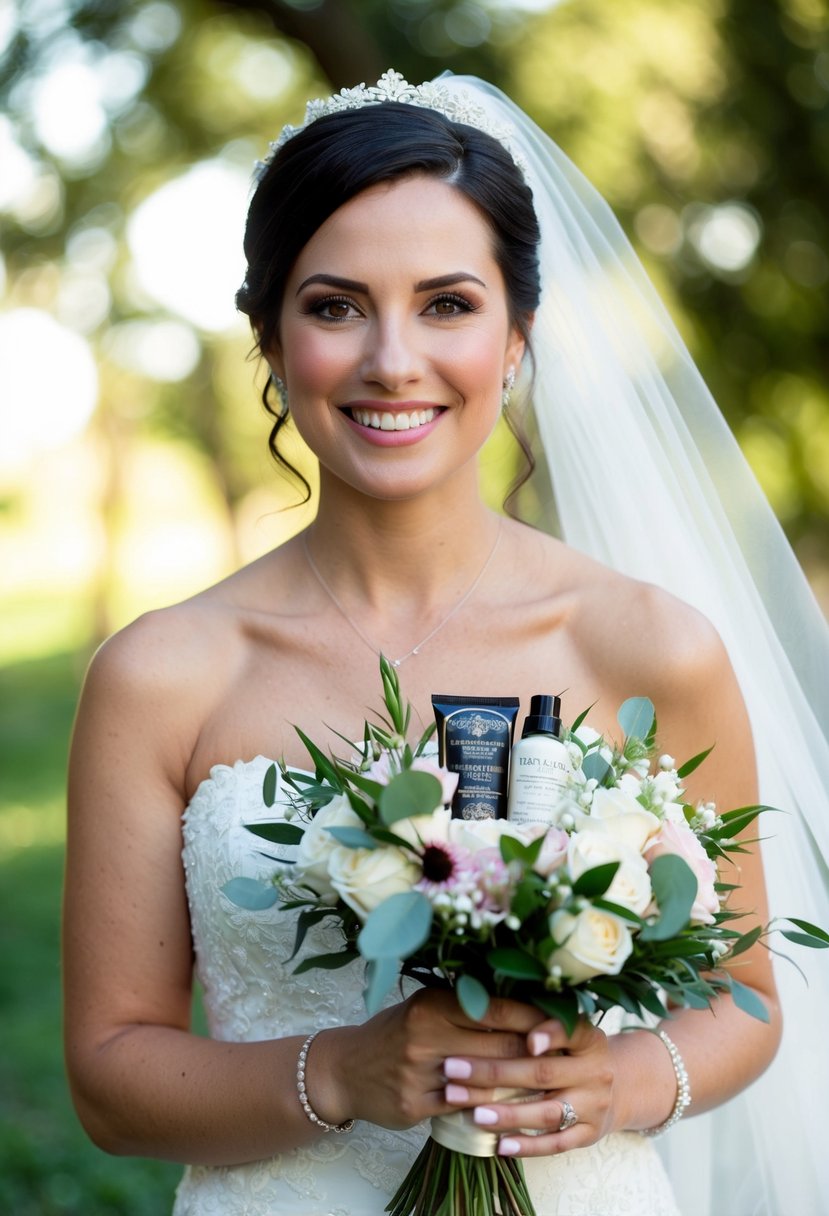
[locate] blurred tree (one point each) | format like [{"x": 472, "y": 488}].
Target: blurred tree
[{"x": 705, "y": 123}]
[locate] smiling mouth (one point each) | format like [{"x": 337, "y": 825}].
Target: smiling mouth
[{"x": 385, "y": 420}]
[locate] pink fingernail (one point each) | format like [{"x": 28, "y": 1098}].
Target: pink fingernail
[
  {"x": 457, "y": 1093},
  {"x": 508, "y": 1147},
  {"x": 483, "y": 1114},
  {"x": 539, "y": 1043},
  {"x": 457, "y": 1070}
]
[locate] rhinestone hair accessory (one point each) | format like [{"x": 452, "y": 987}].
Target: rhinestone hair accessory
[{"x": 455, "y": 105}]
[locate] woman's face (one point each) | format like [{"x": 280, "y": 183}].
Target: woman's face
[{"x": 395, "y": 338}]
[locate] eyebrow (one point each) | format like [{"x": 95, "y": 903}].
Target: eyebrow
[{"x": 444, "y": 280}]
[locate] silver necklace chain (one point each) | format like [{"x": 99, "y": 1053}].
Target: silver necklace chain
[{"x": 415, "y": 649}]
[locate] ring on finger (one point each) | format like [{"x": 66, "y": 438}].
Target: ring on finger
[{"x": 569, "y": 1118}]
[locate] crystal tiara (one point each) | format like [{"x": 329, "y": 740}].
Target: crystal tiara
[{"x": 456, "y": 105}]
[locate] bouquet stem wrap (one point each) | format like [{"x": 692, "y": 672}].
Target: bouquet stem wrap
[{"x": 459, "y": 1173}]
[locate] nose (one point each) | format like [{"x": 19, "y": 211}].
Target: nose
[{"x": 391, "y": 358}]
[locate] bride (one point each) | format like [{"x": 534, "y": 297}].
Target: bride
[{"x": 412, "y": 253}]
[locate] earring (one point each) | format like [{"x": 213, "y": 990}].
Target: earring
[
  {"x": 508, "y": 386},
  {"x": 282, "y": 390}
]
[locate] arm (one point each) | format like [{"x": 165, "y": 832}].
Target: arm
[{"x": 142, "y": 1083}]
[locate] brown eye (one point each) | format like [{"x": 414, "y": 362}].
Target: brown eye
[
  {"x": 450, "y": 306},
  {"x": 333, "y": 308}
]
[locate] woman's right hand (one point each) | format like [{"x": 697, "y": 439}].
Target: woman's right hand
[{"x": 389, "y": 1070}]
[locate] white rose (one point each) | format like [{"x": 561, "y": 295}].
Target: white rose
[
  {"x": 674, "y": 812},
  {"x": 624, "y": 817},
  {"x": 317, "y": 844},
  {"x": 587, "y": 735},
  {"x": 596, "y": 846},
  {"x": 363, "y": 878},
  {"x": 477, "y": 834},
  {"x": 592, "y": 943}
]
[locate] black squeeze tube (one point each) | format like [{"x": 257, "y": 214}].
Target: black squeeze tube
[{"x": 475, "y": 737}]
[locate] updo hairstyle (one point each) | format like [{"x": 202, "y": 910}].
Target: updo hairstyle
[{"x": 337, "y": 157}]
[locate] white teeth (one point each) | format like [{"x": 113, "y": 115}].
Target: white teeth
[{"x": 393, "y": 422}]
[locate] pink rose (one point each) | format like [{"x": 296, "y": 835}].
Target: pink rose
[
  {"x": 553, "y": 852},
  {"x": 382, "y": 772},
  {"x": 678, "y": 838}
]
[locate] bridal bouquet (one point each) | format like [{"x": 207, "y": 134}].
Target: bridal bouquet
[{"x": 617, "y": 903}]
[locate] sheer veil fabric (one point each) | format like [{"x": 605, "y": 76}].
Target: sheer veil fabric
[{"x": 648, "y": 479}]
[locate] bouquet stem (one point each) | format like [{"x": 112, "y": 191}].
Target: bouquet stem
[{"x": 458, "y": 1173}]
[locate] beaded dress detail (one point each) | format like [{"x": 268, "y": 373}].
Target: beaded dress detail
[{"x": 250, "y": 994}]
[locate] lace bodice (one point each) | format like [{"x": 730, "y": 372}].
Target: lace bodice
[{"x": 251, "y": 993}]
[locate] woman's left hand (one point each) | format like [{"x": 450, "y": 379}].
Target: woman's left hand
[{"x": 573, "y": 1075}]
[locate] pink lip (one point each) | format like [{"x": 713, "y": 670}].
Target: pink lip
[{"x": 393, "y": 439}]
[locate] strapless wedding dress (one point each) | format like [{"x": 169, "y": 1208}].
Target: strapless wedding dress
[{"x": 251, "y": 994}]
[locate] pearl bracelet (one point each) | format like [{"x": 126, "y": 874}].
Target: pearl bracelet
[
  {"x": 683, "y": 1089},
  {"x": 302, "y": 1093}
]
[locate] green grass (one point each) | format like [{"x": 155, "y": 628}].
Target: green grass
[{"x": 47, "y": 1165}]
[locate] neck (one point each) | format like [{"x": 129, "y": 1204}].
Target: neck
[{"x": 431, "y": 548}]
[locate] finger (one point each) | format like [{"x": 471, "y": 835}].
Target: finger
[
  {"x": 551, "y": 1036},
  {"x": 545, "y": 1073},
  {"x": 514, "y": 1145},
  {"x": 545, "y": 1115}
]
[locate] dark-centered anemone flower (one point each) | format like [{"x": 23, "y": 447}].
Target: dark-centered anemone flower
[{"x": 446, "y": 868}]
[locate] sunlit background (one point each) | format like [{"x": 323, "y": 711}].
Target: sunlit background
[{"x": 133, "y": 460}]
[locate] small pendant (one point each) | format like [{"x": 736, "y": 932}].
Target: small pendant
[{"x": 396, "y": 662}]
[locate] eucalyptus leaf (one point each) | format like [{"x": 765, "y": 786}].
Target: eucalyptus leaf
[
  {"x": 397, "y": 927},
  {"x": 373, "y": 788},
  {"x": 810, "y": 929},
  {"x": 804, "y": 939},
  {"x": 408, "y": 794},
  {"x": 269, "y": 786},
  {"x": 250, "y": 894},
  {"x": 636, "y": 717},
  {"x": 304, "y": 922},
  {"x": 327, "y": 962},
  {"x": 381, "y": 976},
  {"x": 513, "y": 849},
  {"x": 353, "y": 838},
  {"x": 277, "y": 833},
  {"x": 748, "y": 1000},
  {"x": 595, "y": 767},
  {"x": 745, "y": 942},
  {"x": 675, "y": 889},
  {"x": 516, "y": 963},
  {"x": 596, "y": 881},
  {"x": 473, "y": 997}
]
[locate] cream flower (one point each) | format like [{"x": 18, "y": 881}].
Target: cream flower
[
  {"x": 631, "y": 885},
  {"x": 624, "y": 817},
  {"x": 317, "y": 844},
  {"x": 363, "y": 878},
  {"x": 591, "y": 943}
]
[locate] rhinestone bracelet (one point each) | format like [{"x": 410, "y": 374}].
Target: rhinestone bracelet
[
  {"x": 683, "y": 1089},
  {"x": 302, "y": 1093}
]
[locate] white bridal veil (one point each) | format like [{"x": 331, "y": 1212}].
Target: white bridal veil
[{"x": 648, "y": 479}]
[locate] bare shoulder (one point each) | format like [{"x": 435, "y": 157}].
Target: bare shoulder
[
  {"x": 151, "y": 686},
  {"x": 634, "y": 637}
]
